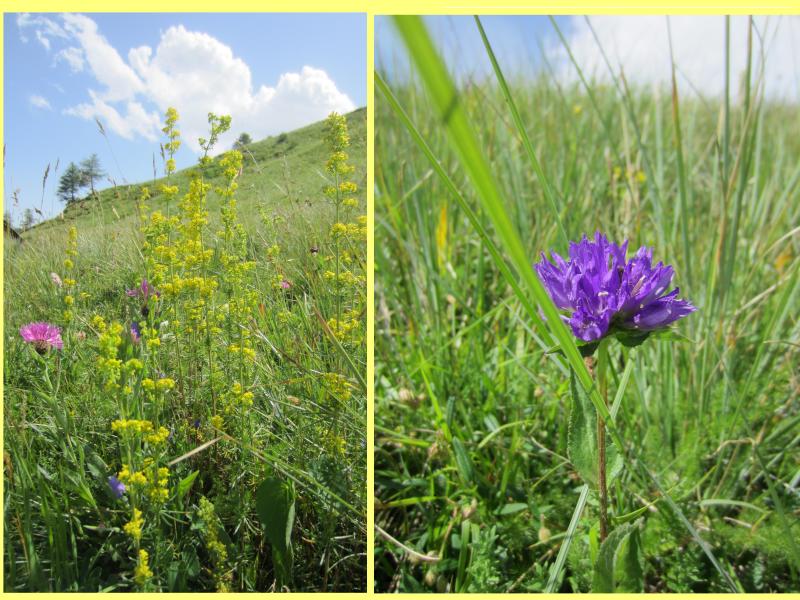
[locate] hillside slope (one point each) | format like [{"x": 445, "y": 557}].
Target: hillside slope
[{"x": 279, "y": 171}]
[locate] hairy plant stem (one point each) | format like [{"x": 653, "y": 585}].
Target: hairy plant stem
[{"x": 602, "y": 365}]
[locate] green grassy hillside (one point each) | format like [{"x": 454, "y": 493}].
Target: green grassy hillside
[{"x": 282, "y": 173}]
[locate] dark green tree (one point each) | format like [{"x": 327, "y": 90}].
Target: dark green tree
[
  {"x": 91, "y": 171},
  {"x": 28, "y": 220},
  {"x": 242, "y": 141},
  {"x": 71, "y": 182}
]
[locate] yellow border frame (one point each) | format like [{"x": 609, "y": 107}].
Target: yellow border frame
[{"x": 374, "y": 8}]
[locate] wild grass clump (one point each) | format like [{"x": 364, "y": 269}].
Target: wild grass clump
[
  {"x": 200, "y": 426},
  {"x": 477, "y": 485}
]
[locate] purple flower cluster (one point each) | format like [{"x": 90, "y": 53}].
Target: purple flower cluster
[
  {"x": 145, "y": 290},
  {"x": 605, "y": 292}
]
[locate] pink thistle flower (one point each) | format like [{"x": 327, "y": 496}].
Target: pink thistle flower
[
  {"x": 285, "y": 284},
  {"x": 43, "y": 336}
]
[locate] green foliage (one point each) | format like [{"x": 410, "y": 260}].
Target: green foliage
[
  {"x": 582, "y": 444},
  {"x": 618, "y": 567},
  {"x": 70, "y": 183},
  {"x": 275, "y": 507},
  {"x": 243, "y": 140},
  {"x": 91, "y": 171}
]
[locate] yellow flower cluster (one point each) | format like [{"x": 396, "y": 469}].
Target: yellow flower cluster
[
  {"x": 142, "y": 572},
  {"x": 157, "y": 437},
  {"x": 352, "y": 230},
  {"x": 133, "y": 364},
  {"x": 69, "y": 265},
  {"x": 154, "y": 482},
  {"x": 217, "y": 422},
  {"x": 108, "y": 365},
  {"x": 131, "y": 426},
  {"x": 132, "y": 478},
  {"x": 247, "y": 353},
  {"x": 333, "y": 443},
  {"x": 345, "y": 278},
  {"x": 237, "y": 398},
  {"x": 159, "y": 485},
  {"x": 346, "y": 330},
  {"x": 134, "y": 527},
  {"x": 338, "y": 230},
  {"x": 338, "y": 385},
  {"x": 171, "y": 147},
  {"x": 216, "y": 549}
]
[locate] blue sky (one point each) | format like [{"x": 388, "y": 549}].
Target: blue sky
[
  {"x": 271, "y": 72},
  {"x": 637, "y": 44},
  {"x": 515, "y": 41}
]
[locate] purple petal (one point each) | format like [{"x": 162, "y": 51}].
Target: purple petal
[
  {"x": 661, "y": 312},
  {"x": 588, "y": 326},
  {"x": 117, "y": 487}
]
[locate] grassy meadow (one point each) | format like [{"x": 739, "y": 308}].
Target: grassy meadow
[
  {"x": 226, "y": 395},
  {"x": 475, "y": 489}
]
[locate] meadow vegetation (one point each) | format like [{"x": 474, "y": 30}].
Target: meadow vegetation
[
  {"x": 475, "y": 484},
  {"x": 202, "y": 426}
]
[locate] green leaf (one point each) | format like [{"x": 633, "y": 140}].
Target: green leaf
[
  {"x": 633, "y": 338},
  {"x": 463, "y": 461},
  {"x": 463, "y": 557},
  {"x": 619, "y": 566},
  {"x": 582, "y": 441},
  {"x": 626, "y": 518},
  {"x": 185, "y": 484},
  {"x": 275, "y": 508},
  {"x": 586, "y": 349},
  {"x": 513, "y": 508}
]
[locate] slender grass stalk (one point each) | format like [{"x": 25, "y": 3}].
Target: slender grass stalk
[
  {"x": 549, "y": 194},
  {"x": 682, "y": 179}
]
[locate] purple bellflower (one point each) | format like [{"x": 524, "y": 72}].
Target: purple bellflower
[
  {"x": 605, "y": 293},
  {"x": 117, "y": 487}
]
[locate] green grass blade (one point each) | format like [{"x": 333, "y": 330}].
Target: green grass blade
[
  {"x": 473, "y": 218},
  {"x": 682, "y": 183},
  {"x": 547, "y": 188},
  {"x": 563, "y": 552},
  {"x": 444, "y": 94}
]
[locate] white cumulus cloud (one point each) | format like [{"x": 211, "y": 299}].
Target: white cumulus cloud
[
  {"x": 640, "y": 46},
  {"x": 104, "y": 61},
  {"x": 73, "y": 57},
  {"x": 136, "y": 121},
  {"x": 43, "y": 28},
  {"x": 196, "y": 74},
  {"x": 39, "y": 102}
]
